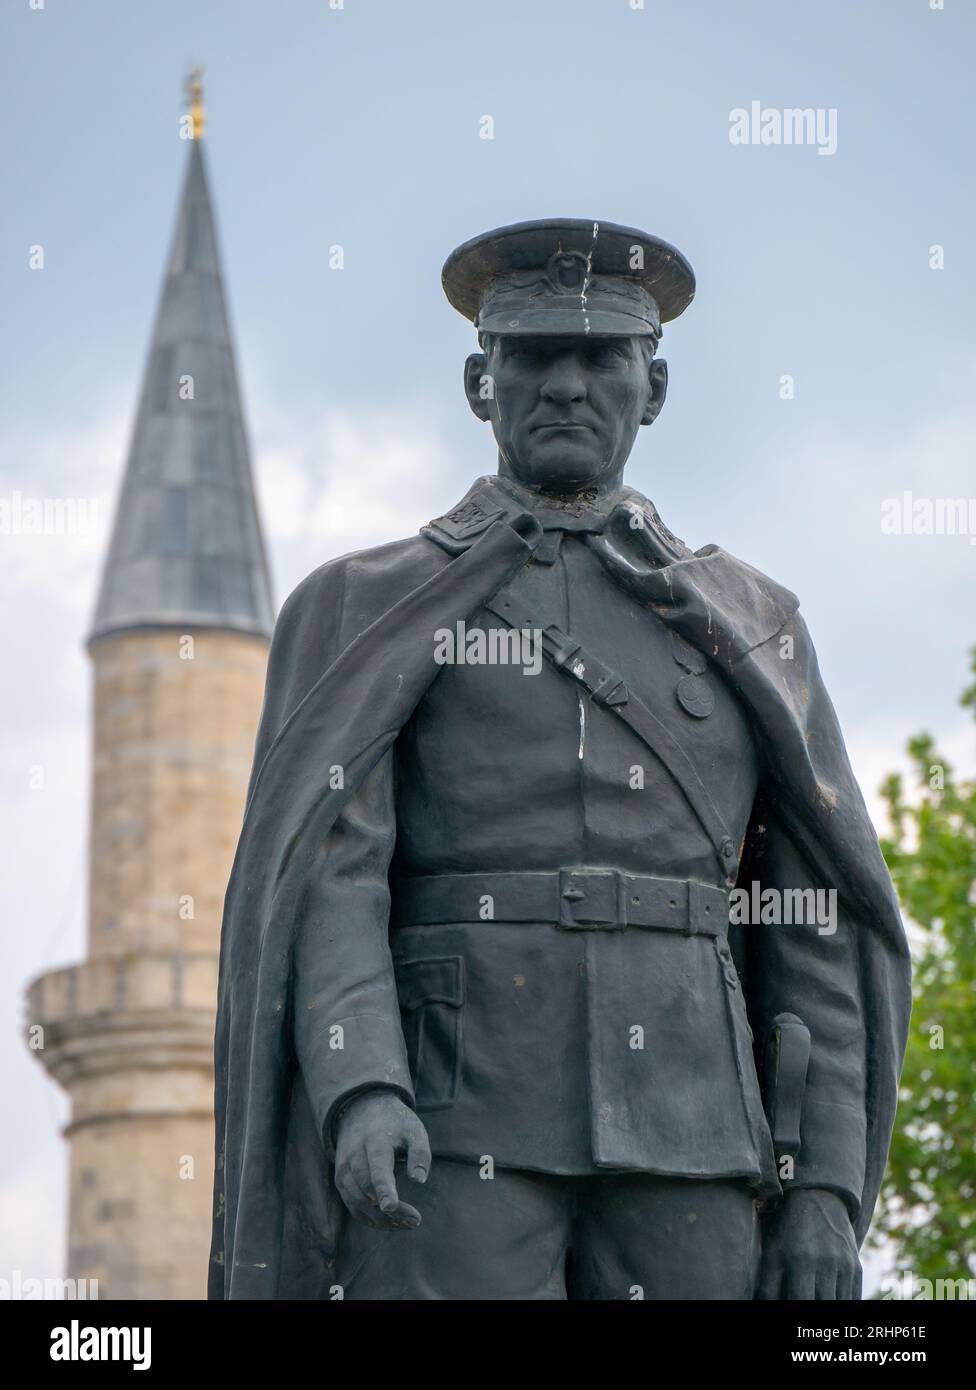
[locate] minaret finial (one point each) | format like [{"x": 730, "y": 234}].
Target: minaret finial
[{"x": 194, "y": 90}]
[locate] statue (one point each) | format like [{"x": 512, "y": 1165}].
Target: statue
[{"x": 559, "y": 957}]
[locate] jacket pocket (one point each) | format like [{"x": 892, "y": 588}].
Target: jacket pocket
[{"x": 431, "y": 994}]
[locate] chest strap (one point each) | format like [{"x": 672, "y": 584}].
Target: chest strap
[{"x": 607, "y": 689}]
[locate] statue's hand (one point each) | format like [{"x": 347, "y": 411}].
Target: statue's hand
[
  {"x": 373, "y": 1129},
  {"x": 809, "y": 1250}
]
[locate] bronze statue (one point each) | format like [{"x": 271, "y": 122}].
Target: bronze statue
[{"x": 555, "y": 886}]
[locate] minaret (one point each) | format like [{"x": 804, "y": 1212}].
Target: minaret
[{"x": 178, "y": 649}]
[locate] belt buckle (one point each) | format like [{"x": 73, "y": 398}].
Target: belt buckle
[{"x": 591, "y": 900}]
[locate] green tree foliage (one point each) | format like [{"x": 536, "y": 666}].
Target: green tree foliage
[{"x": 928, "y": 1200}]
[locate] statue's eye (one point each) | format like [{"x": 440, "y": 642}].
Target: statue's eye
[{"x": 605, "y": 356}]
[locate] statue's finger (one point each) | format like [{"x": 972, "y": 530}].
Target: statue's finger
[
  {"x": 379, "y": 1157},
  {"x": 362, "y": 1204},
  {"x": 418, "y": 1155},
  {"x": 406, "y": 1218},
  {"x": 827, "y": 1284},
  {"x": 358, "y": 1169},
  {"x": 352, "y": 1195},
  {"x": 801, "y": 1285},
  {"x": 770, "y": 1282}
]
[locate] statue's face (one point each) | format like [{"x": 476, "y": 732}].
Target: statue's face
[{"x": 565, "y": 410}]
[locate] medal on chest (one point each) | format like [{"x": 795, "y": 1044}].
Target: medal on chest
[{"x": 693, "y": 692}]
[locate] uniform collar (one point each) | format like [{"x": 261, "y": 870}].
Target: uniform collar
[
  {"x": 580, "y": 512},
  {"x": 491, "y": 499},
  {"x": 720, "y": 605}
]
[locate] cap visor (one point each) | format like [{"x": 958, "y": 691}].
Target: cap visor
[{"x": 572, "y": 320}]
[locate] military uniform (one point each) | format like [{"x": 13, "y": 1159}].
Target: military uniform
[
  {"x": 574, "y": 1044},
  {"x": 500, "y": 891},
  {"x": 568, "y": 997}
]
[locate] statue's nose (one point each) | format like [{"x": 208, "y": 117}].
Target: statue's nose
[{"x": 564, "y": 384}]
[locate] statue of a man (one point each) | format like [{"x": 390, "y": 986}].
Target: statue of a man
[{"x": 559, "y": 956}]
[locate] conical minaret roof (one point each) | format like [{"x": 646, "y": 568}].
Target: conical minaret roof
[{"x": 186, "y": 547}]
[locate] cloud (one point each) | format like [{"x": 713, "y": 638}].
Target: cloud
[
  {"x": 341, "y": 483},
  {"x": 78, "y": 468},
  {"x": 891, "y": 615},
  {"x": 33, "y": 1212}
]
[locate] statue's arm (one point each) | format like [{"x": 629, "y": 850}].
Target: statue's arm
[
  {"x": 809, "y": 1246},
  {"x": 811, "y": 970},
  {"x": 346, "y": 1017},
  {"x": 346, "y": 1024},
  {"x": 347, "y": 1030},
  {"x": 343, "y": 1010}
]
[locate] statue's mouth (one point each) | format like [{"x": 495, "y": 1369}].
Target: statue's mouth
[{"x": 563, "y": 425}]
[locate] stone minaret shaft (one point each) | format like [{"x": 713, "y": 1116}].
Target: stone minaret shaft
[{"x": 178, "y": 648}]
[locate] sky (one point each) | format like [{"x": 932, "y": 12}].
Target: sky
[{"x": 360, "y": 125}]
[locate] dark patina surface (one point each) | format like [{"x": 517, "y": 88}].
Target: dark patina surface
[{"x": 486, "y": 1029}]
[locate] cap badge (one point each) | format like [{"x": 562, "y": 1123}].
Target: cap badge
[{"x": 567, "y": 271}]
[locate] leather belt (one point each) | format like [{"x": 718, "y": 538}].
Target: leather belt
[{"x": 575, "y": 899}]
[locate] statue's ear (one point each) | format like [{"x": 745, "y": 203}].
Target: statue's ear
[
  {"x": 657, "y": 372},
  {"x": 478, "y": 386}
]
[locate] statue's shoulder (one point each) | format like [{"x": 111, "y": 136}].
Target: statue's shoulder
[
  {"x": 757, "y": 608},
  {"x": 369, "y": 582},
  {"x": 383, "y": 574},
  {"x": 717, "y": 589},
  {"x": 648, "y": 518},
  {"x": 359, "y": 587}
]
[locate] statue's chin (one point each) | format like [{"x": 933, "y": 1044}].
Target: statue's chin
[{"x": 562, "y": 475}]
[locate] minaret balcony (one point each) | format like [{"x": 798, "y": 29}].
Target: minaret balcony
[{"x": 128, "y": 1035}]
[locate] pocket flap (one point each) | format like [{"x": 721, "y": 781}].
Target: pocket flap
[{"x": 433, "y": 980}]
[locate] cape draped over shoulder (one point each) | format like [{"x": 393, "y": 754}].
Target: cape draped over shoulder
[{"x": 275, "y": 1208}]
